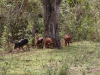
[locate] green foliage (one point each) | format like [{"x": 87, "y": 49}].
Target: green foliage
[
  {"x": 78, "y": 20},
  {"x": 35, "y": 18},
  {"x": 72, "y": 3},
  {"x": 18, "y": 28}
]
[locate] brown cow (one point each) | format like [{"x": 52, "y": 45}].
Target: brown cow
[
  {"x": 67, "y": 39},
  {"x": 48, "y": 42},
  {"x": 39, "y": 42}
]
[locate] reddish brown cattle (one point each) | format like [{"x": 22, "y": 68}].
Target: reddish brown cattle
[
  {"x": 39, "y": 42},
  {"x": 48, "y": 43},
  {"x": 67, "y": 39}
]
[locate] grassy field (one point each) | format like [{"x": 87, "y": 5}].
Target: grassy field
[{"x": 80, "y": 58}]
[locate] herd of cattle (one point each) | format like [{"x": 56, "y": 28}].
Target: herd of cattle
[{"x": 41, "y": 42}]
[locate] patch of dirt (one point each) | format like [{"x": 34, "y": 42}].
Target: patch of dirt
[
  {"x": 78, "y": 69},
  {"x": 93, "y": 70},
  {"x": 26, "y": 60},
  {"x": 90, "y": 52}
]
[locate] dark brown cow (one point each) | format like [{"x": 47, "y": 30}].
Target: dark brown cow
[
  {"x": 47, "y": 43},
  {"x": 39, "y": 42},
  {"x": 67, "y": 39},
  {"x": 22, "y": 43}
]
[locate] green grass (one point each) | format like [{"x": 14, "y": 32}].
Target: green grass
[{"x": 80, "y": 58}]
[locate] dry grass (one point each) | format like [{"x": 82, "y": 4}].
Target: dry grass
[{"x": 80, "y": 58}]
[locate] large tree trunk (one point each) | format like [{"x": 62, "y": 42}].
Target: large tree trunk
[{"x": 51, "y": 19}]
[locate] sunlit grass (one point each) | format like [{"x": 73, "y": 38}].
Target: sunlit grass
[{"x": 80, "y": 58}]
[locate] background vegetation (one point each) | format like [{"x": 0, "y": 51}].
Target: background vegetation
[{"x": 78, "y": 18}]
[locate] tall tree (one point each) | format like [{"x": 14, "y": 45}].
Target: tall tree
[{"x": 51, "y": 19}]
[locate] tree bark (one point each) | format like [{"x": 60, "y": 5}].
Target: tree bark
[
  {"x": 33, "y": 36},
  {"x": 51, "y": 19}
]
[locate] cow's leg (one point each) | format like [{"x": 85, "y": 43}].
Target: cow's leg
[
  {"x": 51, "y": 45},
  {"x": 65, "y": 42},
  {"x": 44, "y": 44},
  {"x": 19, "y": 49},
  {"x": 68, "y": 43},
  {"x": 22, "y": 48},
  {"x": 27, "y": 47}
]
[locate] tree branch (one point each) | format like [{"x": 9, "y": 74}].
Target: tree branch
[{"x": 23, "y": 6}]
